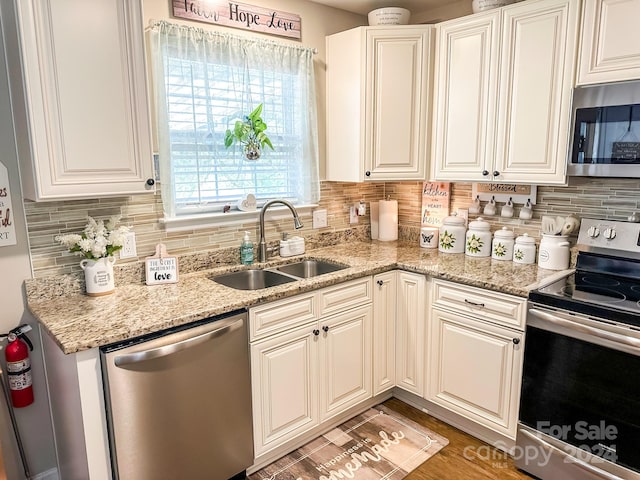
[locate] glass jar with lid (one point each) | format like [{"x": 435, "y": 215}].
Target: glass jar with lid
[
  {"x": 451, "y": 235},
  {"x": 478, "y": 242},
  {"x": 502, "y": 246}
]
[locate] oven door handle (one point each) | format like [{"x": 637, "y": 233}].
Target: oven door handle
[
  {"x": 630, "y": 342},
  {"x": 569, "y": 458}
]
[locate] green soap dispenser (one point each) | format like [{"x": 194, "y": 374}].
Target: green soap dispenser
[{"x": 246, "y": 250}]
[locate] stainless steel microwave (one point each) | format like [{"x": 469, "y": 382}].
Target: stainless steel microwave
[{"x": 606, "y": 131}]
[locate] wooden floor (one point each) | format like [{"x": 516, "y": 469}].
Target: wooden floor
[{"x": 465, "y": 458}]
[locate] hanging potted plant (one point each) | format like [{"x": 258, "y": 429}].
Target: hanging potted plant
[{"x": 250, "y": 134}]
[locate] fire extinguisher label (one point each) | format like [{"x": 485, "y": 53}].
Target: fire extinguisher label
[{"x": 19, "y": 374}]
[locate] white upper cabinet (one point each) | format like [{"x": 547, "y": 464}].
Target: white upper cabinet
[
  {"x": 80, "y": 98},
  {"x": 378, "y": 103},
  {"x": 503, "y": 93},
  {"x": 609, "y": 51}
]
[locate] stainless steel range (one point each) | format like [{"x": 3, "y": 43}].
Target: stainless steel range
[{"x": 580, "y": 401}]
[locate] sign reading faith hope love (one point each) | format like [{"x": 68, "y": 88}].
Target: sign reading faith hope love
[
  {"x": 239, "y": 15},
  {"x": 7, "y": 227}
]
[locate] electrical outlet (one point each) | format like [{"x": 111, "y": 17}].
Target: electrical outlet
[
  {"x": 319, "y": 218},
  {"x": 129, "y": 248},
  {"x": 353, "y": 214}
]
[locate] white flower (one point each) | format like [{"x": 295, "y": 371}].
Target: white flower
[{"x": 98, "y": 239}]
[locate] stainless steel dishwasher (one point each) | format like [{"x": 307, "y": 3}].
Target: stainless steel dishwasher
[{"x": 179, "y": 402}]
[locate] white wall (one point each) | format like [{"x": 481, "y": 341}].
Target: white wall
[{"x": 15, "y": 266}]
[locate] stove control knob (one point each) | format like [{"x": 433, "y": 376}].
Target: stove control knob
[
  {"x": 593, "y": 232},
  {"x": 609, "y": 234}
]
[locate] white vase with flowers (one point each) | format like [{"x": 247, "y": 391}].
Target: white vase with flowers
[{"x": 97, "y": 243}]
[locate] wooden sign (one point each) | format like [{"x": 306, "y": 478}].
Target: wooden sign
[
  {"x": 502, "y": 192},
  {"x": 161, "y": 268},
  {"x": 7, "y": 227},
  {"x": 239, "y": 15},
  {"x": 435, "y": 203}
]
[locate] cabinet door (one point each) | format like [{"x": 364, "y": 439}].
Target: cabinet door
[
  {"x": 86, "y": 112},
  {"x": 475, "y": 370},
  {"x": 384, "y": 332},
  {"x": 465, "y": 97},
  {"x": 536, "y": 81},
  {"x": 410, "y": 331},
  {"x": 608, "y": 51},
  {"x": 397, "y": 103},
  {"x": 345, "y": 360},
  {"x": 284, "y": 385}
]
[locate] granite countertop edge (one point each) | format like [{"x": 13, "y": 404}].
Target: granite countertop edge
[{"x": 77, "y": 322}]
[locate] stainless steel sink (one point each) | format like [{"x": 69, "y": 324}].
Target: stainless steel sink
[
  {"x": 310, "y": 268},
  {"x": 252, "y": 279}
]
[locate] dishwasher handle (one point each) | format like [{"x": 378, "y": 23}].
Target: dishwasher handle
[{"x": 223, "y": 327}]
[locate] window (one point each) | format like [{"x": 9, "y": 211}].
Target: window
[{"x": 204, "y": 82}]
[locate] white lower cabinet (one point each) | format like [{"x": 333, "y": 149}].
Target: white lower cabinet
[
  {"x": 475, "y": 364},
  {"x": 285, "y": 387},
  {"x": 345, "y": 360},
  {"x": 307, "y": 373},
  {"x": 412, "y": 295},
  {"x": 384, "y": 331}
]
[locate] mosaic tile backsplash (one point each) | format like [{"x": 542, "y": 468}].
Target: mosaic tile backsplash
[{"x": 587, "y": 197}]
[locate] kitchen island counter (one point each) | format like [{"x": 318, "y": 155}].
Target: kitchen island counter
[{"x": 78, "y": 322}]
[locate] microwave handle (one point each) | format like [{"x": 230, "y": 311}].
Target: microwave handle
[
  {"x": 569, "y": 458},
  {"x": 627, "y": 341}
]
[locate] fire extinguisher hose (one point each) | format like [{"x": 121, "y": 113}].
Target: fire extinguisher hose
[{"x": 12, "y": 415}]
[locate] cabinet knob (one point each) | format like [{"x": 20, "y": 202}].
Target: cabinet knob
[
  {"x": 496, "y": 173},
  {"x": 516, "y": 341},
  {"x": 367, "y": 173},
  {"x": 316, "y": 332},
  {"x": 151, "y": 182},
  {"x": 380, "y": 282},
  {"x": 325, "y": 329},
  {"x": 485, "y": 172}
]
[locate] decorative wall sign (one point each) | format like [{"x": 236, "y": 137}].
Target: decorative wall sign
[
  {"x": 435, "y": 203},
  {"x": 502, "y": 192},
  {"x": 7, "y": 227},
  {"x": 239, "y": 15},
  {"x": 161, "y": 268}
]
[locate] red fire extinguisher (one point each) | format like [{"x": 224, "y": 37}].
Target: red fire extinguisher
[{"x": 19, "y": 368}]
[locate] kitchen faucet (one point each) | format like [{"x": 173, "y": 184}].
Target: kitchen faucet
[{"x": 262, "y": 245}]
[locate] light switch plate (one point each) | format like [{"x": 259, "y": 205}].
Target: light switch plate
[{"x": 320, "y": 218}]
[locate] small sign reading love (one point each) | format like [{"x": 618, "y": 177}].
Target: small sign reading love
[
  {"x": 240, "y": 15},
  {"x": 161, "y": 268}
]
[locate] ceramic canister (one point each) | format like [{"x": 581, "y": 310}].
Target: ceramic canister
[
  {"x": 429, "y": 237},
  {"x": 554, "y": 252},
  {"x": 524, "y": 250},
  {"x": 478, "y": 242},
  {"x": 502, "y": 246},
  {"x": 452, "y": 235}
]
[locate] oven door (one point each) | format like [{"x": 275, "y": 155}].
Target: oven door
[{"x": 580, "y": 401}]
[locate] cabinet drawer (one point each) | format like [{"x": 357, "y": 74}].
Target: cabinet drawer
[
  {"x": 487, "y": 305},
  {"x": 283, "y": 314},
  {"x": 344, "y": 296}
]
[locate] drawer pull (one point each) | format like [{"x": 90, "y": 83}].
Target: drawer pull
[{"x": 474, "y": 303}]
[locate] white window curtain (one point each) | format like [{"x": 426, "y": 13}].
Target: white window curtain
[{"x": 204, "y": 81}]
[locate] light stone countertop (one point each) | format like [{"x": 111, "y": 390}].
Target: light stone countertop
[{"x": 78, "y": 322}]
